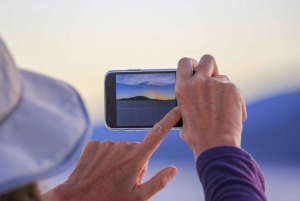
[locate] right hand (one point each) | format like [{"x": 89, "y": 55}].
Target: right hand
[
  {"x": 212, "y": 107},
  {"x": 115, "y": 171}
]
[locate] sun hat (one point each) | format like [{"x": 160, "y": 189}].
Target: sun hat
[{"x": 43, "y": 125}]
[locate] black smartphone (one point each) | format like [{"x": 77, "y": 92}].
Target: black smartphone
[{"x": 137, "y": 99}]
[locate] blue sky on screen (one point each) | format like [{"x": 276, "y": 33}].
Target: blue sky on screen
[
  {"x": 154, "y": 86},
  {"x": 152, "y": 79}
]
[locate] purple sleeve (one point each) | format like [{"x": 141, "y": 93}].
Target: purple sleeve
[{"x": 230, "y": 173}]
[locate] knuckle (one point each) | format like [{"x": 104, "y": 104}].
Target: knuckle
[
  {"x": 234, "y": 90},
  {"x": 158, "y": 129},
  {"x": 93, "y": 143},
  {"x": 224, "y": 77},
  {"x": 230, "y": 87},
  {"x": 90, "y": 147},
  {"x": 183, "y": 60},
  {"x": 108, "y": 142},
  {"x": 134, "y": 144},
  {"x": 208, "y": 57},
  {"x": 122, "y": 143},
  {"x": 162, "y": 183},
  {"x": 127, "y": 144}
]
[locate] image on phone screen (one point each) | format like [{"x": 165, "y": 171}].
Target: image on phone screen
[{"x": 143, "y": 99}]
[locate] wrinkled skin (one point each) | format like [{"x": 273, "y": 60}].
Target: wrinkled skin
[
  {"x": 115, "y": 171},
  {"x": 212, "y": 110},
  {"x": 212, "y": 107}
]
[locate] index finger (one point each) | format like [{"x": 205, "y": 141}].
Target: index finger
[
  {"x": 156, "y": 135},
  {"x": 207, "y": 66}
]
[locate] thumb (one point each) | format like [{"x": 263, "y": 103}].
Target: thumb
[{"x": 158, "y": 181}]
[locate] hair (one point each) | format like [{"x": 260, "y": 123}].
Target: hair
[{"x": 29, "y": 192}]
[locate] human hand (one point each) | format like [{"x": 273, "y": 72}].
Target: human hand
[
  {"x": 115, "y": 171},
  {"x": 212, "y": 107}
]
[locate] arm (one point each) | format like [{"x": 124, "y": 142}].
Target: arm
[
  {"x": 230, "y": 173},
  {"x": 213, "y": 110}
]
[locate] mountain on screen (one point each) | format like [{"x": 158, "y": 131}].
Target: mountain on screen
[
  {"x": 136, "y": 98},
  {"x": 144, "y": 90}
]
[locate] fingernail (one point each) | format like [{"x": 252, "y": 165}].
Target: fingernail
[{"x": 173, "y": 172}]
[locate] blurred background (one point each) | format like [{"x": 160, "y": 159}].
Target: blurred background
[{"x": 255, "y": 43}]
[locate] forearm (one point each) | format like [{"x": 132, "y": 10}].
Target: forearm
[{"x": 229, "y": 173}]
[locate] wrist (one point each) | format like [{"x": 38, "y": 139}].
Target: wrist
[{"x": 220, "y": 140}]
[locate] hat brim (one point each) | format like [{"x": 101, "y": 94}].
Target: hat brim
[{"x": 43, "y": 134}]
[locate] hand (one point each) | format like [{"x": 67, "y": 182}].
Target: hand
[
  {"x": 109, "y": 171},
  {"x": 212, "y": 107}
]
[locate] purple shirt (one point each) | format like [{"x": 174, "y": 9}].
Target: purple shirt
[{"x": 230, "y": 173}]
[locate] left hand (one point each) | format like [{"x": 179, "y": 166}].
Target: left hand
[{"x": 109, "y": 171}]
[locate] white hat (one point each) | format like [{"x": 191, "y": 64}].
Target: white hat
[{"x": 43, "y": 125}]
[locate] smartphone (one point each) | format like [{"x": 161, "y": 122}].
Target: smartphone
[{"x": 137, "y": 99}]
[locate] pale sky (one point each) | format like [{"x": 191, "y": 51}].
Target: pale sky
[{"x": 255, "y": 43}]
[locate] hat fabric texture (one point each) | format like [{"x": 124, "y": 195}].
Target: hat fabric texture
[{"x": 43, "y": 125}]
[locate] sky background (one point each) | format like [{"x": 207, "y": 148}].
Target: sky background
[
  {"x": 154, "y": 86},
  {"x": 255, "y": 43}
]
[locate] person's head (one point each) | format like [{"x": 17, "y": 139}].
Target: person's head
[{"x": 43, "y": 126}]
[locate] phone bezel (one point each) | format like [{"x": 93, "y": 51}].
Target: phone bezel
[{"x": 110, "y": 95}]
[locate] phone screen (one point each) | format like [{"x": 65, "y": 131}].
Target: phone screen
[
  {"x": 144, "y": 99},
  {"x": 139, "y": 99}
]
